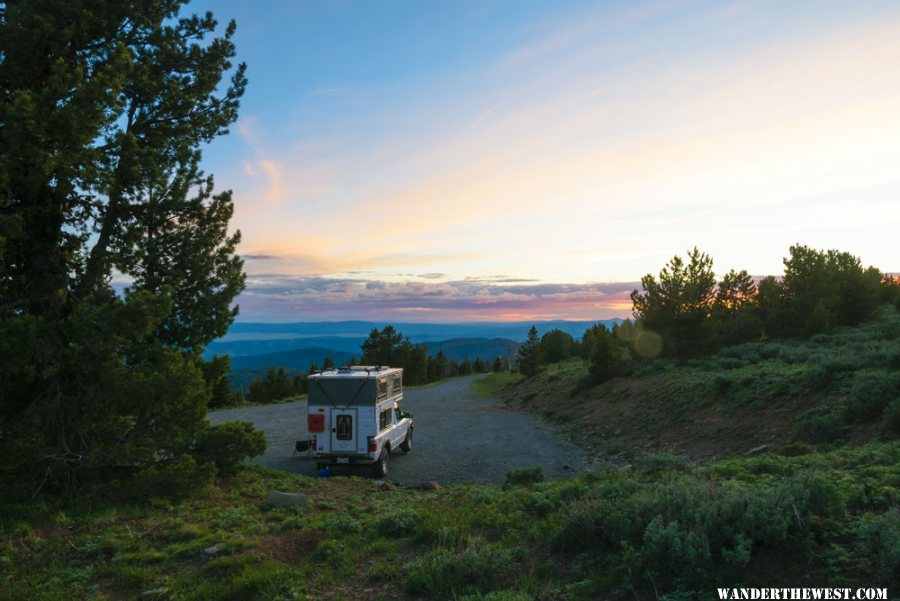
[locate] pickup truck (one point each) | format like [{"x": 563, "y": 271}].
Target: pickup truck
[{"x": 354, "y": 418}]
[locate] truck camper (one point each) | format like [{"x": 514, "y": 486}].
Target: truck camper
[{"x": 354, "y": 417}]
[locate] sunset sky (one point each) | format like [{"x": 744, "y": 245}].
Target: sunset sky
[{"x": 465, "y": 161}]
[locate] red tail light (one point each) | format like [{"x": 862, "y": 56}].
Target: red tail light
[
  {"x": 373, "y": 446},
  {"x": 315, "y": 422}
]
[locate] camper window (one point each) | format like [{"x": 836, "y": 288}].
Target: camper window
[
  {"x": 344, "y": 427},
  {"x": 397, "y": 385},
  {"x": 384, "y": 419},
  {"x": 382, "y": 389}
]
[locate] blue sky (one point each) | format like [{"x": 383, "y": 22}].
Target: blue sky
[{"x": 428, "y": 161}]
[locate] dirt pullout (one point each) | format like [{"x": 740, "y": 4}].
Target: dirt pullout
[{"x": 459, "y": 437}]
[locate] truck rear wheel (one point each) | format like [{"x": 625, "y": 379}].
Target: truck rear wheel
[
  {"x": 380, "y": 467},
  {"x": 406, "y": 445}
]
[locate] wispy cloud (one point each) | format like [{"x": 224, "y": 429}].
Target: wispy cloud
[
  {"x": 259, "y": 257},
  {"x": 594, "y": 148},
  {"x": 293, "y": 176},
  {"x": 325, "y": 91},
  {"x": 284, "y": 297}
]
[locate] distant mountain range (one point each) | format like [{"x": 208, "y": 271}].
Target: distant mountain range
[
  {"x": 246, "y": 338},
  {"x": 254, "y": 347}
]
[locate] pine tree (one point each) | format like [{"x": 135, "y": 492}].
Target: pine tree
[
  {"x": 465, "y": 368},
  {"x": 387, "y": 347},
  {"x": 415, "y": 367},
  {"x": 556, "y": 346},
  {"x": 104, "y": 109},
  {"x": 678, "y": 305},
  {"x": 529, "y": 355},
  {"x": 606, "y": 355}
]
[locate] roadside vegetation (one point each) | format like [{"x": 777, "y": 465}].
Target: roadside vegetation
[
  {"x": 830, "y": 389},
  {"x": 655, "y": 528},
  {"x": 684, "y": 313}
]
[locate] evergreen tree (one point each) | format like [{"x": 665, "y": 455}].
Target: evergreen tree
[
  {"x": 529, "y": 355},
  {"x": 452, "y": 369},
  {"x": 104, "y": 109},
  {"x": 237, "y": 398},
  {"x": 256, "y": 393},
  {"x": 479, "y": 366},
  {"x": 415, "y": 368},
  {"x": 437, "y": 367},
  {"x": 606, "y": 355},
  {"x": 217, "y": 373},
  {"x": 822, "y": 289},
  {"x": 274, "y": 386},
  {"x": 772, "y": 308},
  {"x": 387, "y": 347},
  {"x": 678, "y": 306},
  {"x": 465, "y": 368},
  {"x": 556, "y": 346},
  {"x": 735, "y": 309},
  {"x": 328, "y": 364}
]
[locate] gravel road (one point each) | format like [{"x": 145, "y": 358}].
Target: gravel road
[{"x": 460, "y": 437}]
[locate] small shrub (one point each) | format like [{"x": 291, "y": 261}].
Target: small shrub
[
  {"x": 674, "y": 550},
  {"x": 228, "y": 444},
  {"x": 730, "y": 363},
  {"x": 477, "y": 569},
  {"x": 655, "y": 463},
  {"x": 816, "y": 377},
  {"x": 722, "y": 383},
  {"x": 890, "y": 422},
  {"x": 539, "y": 504},
  {"x": 174, "y": 479},
  {"x": 577, "y": 531},
  {"x": 821, "y": 427},
  {"x": 878, "y": 542},
  {"x": 342, "y": 523},
  {"x": 404, "y": 522},
  {"x": 329, "y": 551},
  {"x": 870, "y": 394},
  {"x": 524, "y": 476}
]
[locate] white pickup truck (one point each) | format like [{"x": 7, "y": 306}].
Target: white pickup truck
[{"x": 354, "y": 417}]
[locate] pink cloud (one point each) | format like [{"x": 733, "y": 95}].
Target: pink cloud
[{"x": 287, "y": 298}]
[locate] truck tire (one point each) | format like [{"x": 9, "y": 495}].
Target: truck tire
[
  {"x": 380, "y": 467},
  {"x": 406, "y": 445}
]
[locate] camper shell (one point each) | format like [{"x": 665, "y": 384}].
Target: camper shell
[{"x": 354, "y": 417}]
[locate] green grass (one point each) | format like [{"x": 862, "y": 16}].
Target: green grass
[
  {"x": 819, "y": 519},
  {"x": 493, "y": 383},
  {"x": 832, "y": 389}
]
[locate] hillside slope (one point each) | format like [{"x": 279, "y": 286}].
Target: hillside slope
[{"x": 837, "y": 388}]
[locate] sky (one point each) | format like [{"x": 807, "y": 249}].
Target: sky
[{"x": 522, "y": 160}]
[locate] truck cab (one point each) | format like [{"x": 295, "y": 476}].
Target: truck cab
[{"x": 354, "y": 417}]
